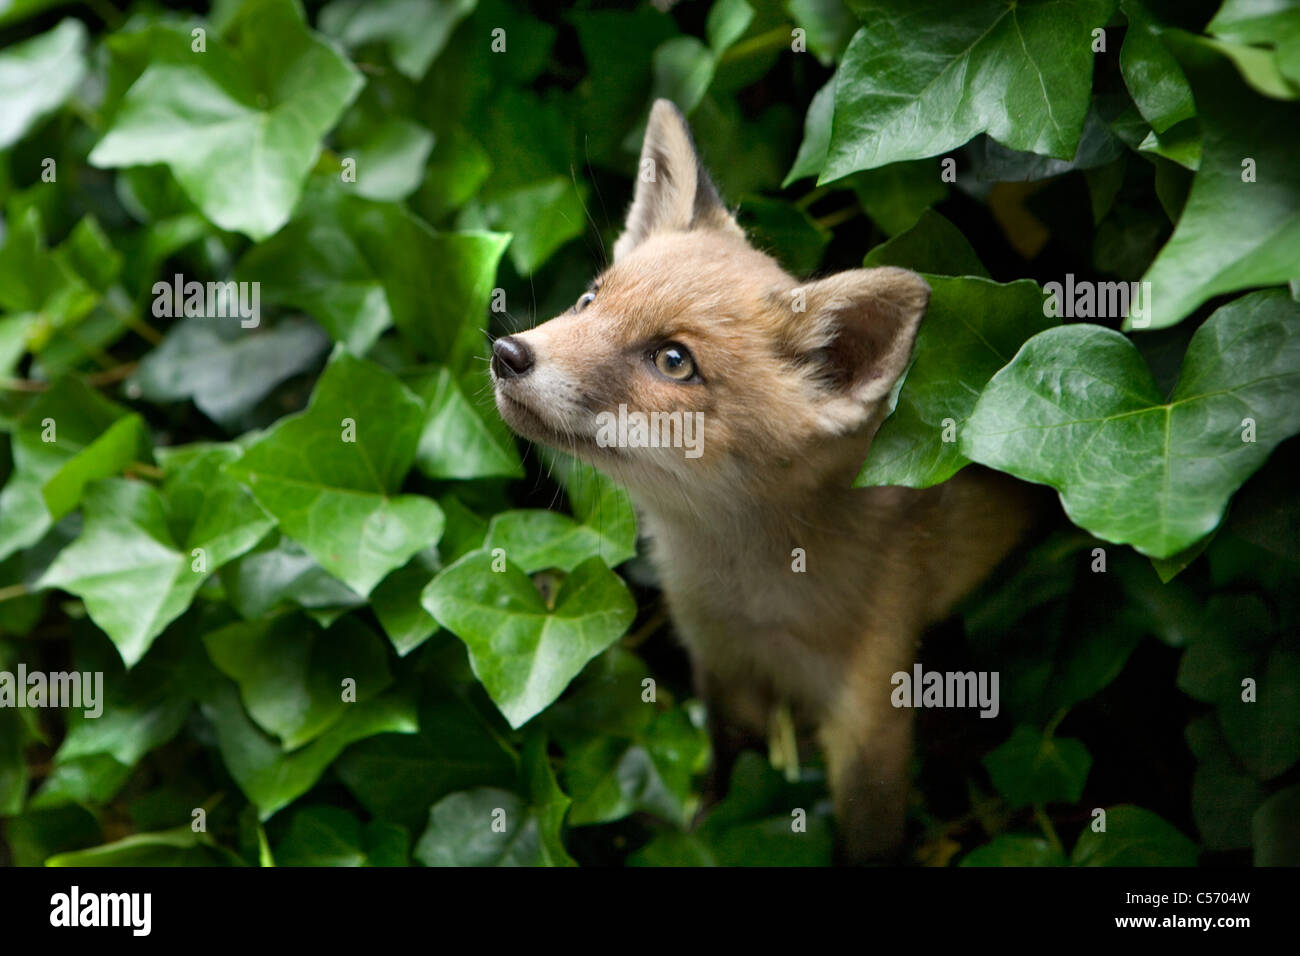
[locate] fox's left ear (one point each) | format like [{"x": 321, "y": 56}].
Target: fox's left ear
[
  {"x": 673, "y": 192},
  {"x": 863, "y": 326}
]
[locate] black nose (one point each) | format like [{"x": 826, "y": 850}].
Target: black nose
[{"x": 510, "y": 357}]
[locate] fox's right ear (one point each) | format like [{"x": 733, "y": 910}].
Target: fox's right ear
[{"x": 673, "y": 191}]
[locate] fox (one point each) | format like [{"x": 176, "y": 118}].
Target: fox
[{"x": 787, "y": 586}]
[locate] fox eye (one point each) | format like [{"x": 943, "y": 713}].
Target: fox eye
[
  {"x": 675, "y": 361},
  {"x": 584, "y": 300}
]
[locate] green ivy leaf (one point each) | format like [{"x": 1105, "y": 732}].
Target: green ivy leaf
[
  {"x": 933, "y": 245},
  {"x": 1134, "y": 837},
  {"x": 482, "y": 827},
  {"x": 1233, "y": 234},
  {"x": 524, "y": 652},
  {"x": 179, "y": 847},
  {"x": 415, "y": 31},
  {"x": 240, "y": 124},
  {"x": 140, "y": 558},
  {"x": 923, "y": 78},
  {"x": 290, "y": 673},
  {"x": 329, "y": 836},
  {"x": 612, "y": 777},
  {"x": 755, "y": 825},
  {"x": 972, "y": 328},
  {"x": 358, "y": 266},
  {"x": 461, "y": 438},
  {"x": 278, "y": 571},
  {"x": 37, "y": 75},
  {"x": 271, "y": 778},
  {"x": 1009, "y": 849},
  {"x": 1033, "y": 768},
  {"x": 1152, "y": 75},
  {"x": 224, "y": 368},
  {"x": 394, "y": 776},
  {"x": 338, "y": 497},
  {"x": 549, "y": 804},
  {"x": 1078, "y": 410}
]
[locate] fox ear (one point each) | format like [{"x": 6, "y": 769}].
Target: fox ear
[
  {"x": 864, "y": 322},
  {"x": 673, "y": 192}
]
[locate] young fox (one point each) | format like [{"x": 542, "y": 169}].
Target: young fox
[{"x": 792, "y": 380}]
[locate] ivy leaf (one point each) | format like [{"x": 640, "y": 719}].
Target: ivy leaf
[
  {"x": 359, "y": 266},
  {"x": 240, "y": 124},
  {"x": 415, "y": 31},
  {"x": 279, "y": 571},
  {"x": 1134, "y": 837},
  {"x": 1077, "y": 409},
  {"x": 549, "y": 804},
  {"x": 1152, "y": 74},
  {"x": 271, "y": 778},
  {"x": 535, "y": 539},
  {"x": 396, "y": 602},
  {"x": 597, "y": 503},
  {"x": 1276, "y": 836},
  {"x": 1273, "y": 24},
  {"x": 390, "y": 157},
  {"x": 329, "y": 836},
  {"x": 923, "y": 78},
  {"x": 332, "y": 485},
  {"x": 1233, "y": 234},
  {"x": 1033, "y": 768},
  {"x": 482, "y": 827},
  {"x": 37, "y": 75},
  {"x": 972, "y": 328},
  {"x": 1009, "y": 849},
  {"x": 522, "y": 651},
  {"x": 140, "y": 559},
  {"x": 933, "y": 245},
  {"x": 224, "y": 368},
  {"x": 394, "y": 776},
  {"x": 753, "y": 825},
  {"x": 461, "y": 439},
  {"x": 290, "y": 673},
  {"x": 612, "y": 776},
  {"x": 179, "y": 847}
]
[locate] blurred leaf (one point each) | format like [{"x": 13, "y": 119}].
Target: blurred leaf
[
  {"x": 482, "y": 827},
  {"x": 1134, "y": 837},
  {"x": 37, "y": 75},
  {"x": 1011, "y": 850},
  {"x": 224, "y": 368},
  {"x": 415, "y": 31},
  {"x": 1032, "y": 768},
  {"x": 1276, "y": 831},
  {"x": 239, "y": 126},
  {"x": 178, "y": 847}
]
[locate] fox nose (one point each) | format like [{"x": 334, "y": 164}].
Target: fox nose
[{"x": 511, "y": 357}]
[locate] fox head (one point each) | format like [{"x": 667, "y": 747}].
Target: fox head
[{"x": 692, "y": 327}]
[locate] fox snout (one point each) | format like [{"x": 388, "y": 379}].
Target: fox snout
[{"x": 511, "y": 357}]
